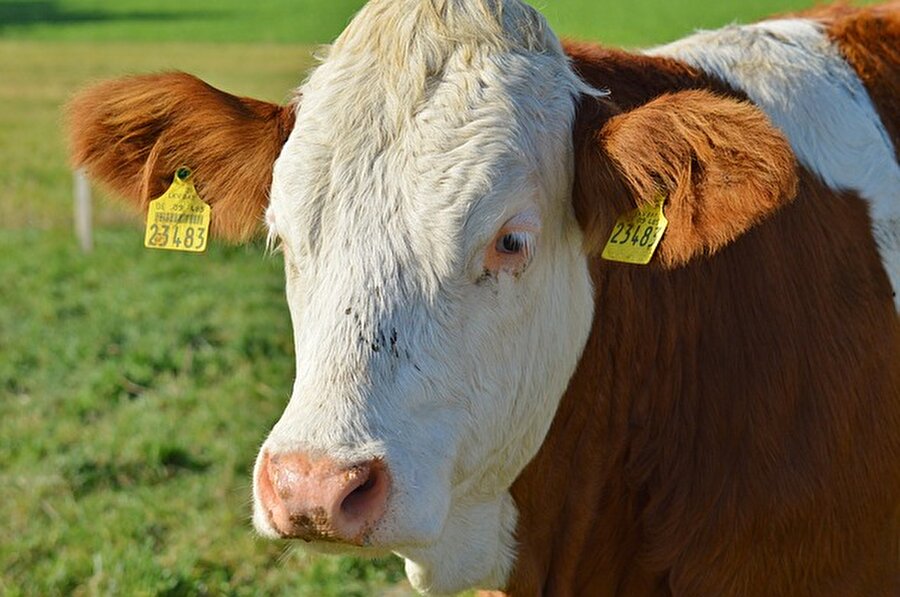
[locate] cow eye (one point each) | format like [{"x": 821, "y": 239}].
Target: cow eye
[
  {"x": 512, "y": 243},
  {"x": 512, "y": 249}
]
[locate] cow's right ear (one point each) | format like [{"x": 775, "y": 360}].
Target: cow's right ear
[{"x": 134, "y": 133}]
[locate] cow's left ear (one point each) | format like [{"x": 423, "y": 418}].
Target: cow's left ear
[
  {"x": 133, "y": 134},
  {"x": 719, "y": 162}
]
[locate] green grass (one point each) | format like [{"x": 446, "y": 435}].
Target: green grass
[
  {"x": 35, "y": 182},
  {"x": 135, "y": 386},
  {"x": 314, "y": 21},
  {"x": 283, "y": 21}
]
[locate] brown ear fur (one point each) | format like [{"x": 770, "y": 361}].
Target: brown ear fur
[
  {"x": 133, "y": 134},
  {"x": 720, "y": 163}
]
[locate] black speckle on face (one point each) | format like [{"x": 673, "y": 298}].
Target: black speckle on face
[
  {"x": 485, "y": 276},
  {"x": 395, "y": 352}
]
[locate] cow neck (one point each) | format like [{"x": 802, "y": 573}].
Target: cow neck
[
  {"x": 662, "y": 448},
  {"x": 583, "y": 462},
  {"x": 580, "y": 499},
  {"x": 647, "y": 459}
]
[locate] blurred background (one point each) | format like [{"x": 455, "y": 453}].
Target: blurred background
[{"x": 136, "y": 386}]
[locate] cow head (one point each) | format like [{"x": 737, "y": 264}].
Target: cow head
[{"x": 436, "y": 272}]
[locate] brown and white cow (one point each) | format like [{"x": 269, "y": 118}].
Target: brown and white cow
[{"x": 476, "y": 390}]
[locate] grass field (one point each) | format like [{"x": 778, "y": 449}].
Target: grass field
[
  {"x": 135, "y": 387},
  {"x": 313, "y": 21}
]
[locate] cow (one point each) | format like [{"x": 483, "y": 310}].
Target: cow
[{"x": 477, "y": 390}]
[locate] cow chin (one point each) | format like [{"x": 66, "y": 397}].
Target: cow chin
[{"x": 476, "y": 549}]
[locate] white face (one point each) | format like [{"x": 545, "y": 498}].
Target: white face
[{"x": 439, "y": 295}]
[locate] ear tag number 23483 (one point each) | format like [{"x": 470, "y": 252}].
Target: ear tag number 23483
[
  {"x": 179, "y": 219},
  {"x": 637, "y": 234}
]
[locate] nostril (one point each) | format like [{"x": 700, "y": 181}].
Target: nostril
[{"x": 367, "y": 496}]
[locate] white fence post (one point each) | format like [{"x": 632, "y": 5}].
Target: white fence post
[{"x": 83, "y": 217}]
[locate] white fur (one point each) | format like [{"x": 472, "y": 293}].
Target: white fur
[
  {"x": 429, "y": 124},
  {"x": 796, "y": 74}
]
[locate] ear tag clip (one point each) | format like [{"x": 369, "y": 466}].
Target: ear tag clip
[
  {"x": 179, "y": 219},
  {"x": 637, "y": 234}
]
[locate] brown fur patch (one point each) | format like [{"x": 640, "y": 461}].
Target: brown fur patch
[
  {"x": 634, "y": 79},
  {"x": 731, "y": 428},
  {"x": 133, "y": 133},
  {"x": 869, "y": 39},
  {"x": 722, "y": 166}
]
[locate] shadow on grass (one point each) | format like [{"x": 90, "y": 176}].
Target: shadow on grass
[
  {"x": 29, "y": 13},
  {"x": 88, "y": 476}
]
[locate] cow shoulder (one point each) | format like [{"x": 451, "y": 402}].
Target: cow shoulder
[
  {"x": 869, "y": 39},
  {"x": 811, "y": 93}
]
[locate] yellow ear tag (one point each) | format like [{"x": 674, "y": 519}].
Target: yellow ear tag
[
  {"x": 179, "y": 219},
  {"x": 637, "y": 234}
]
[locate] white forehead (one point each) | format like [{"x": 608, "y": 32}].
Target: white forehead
[{"x": 437, "y": 113}]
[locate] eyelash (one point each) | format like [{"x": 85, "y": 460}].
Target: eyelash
[{"x": 513, "y": 243}]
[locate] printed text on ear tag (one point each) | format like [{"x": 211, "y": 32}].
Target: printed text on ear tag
[
  {"x": 179, "y": 219},
  {"x": 637, "y": 234}
]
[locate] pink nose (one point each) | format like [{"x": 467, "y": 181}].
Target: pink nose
[{"x": 321, "y": 499}]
